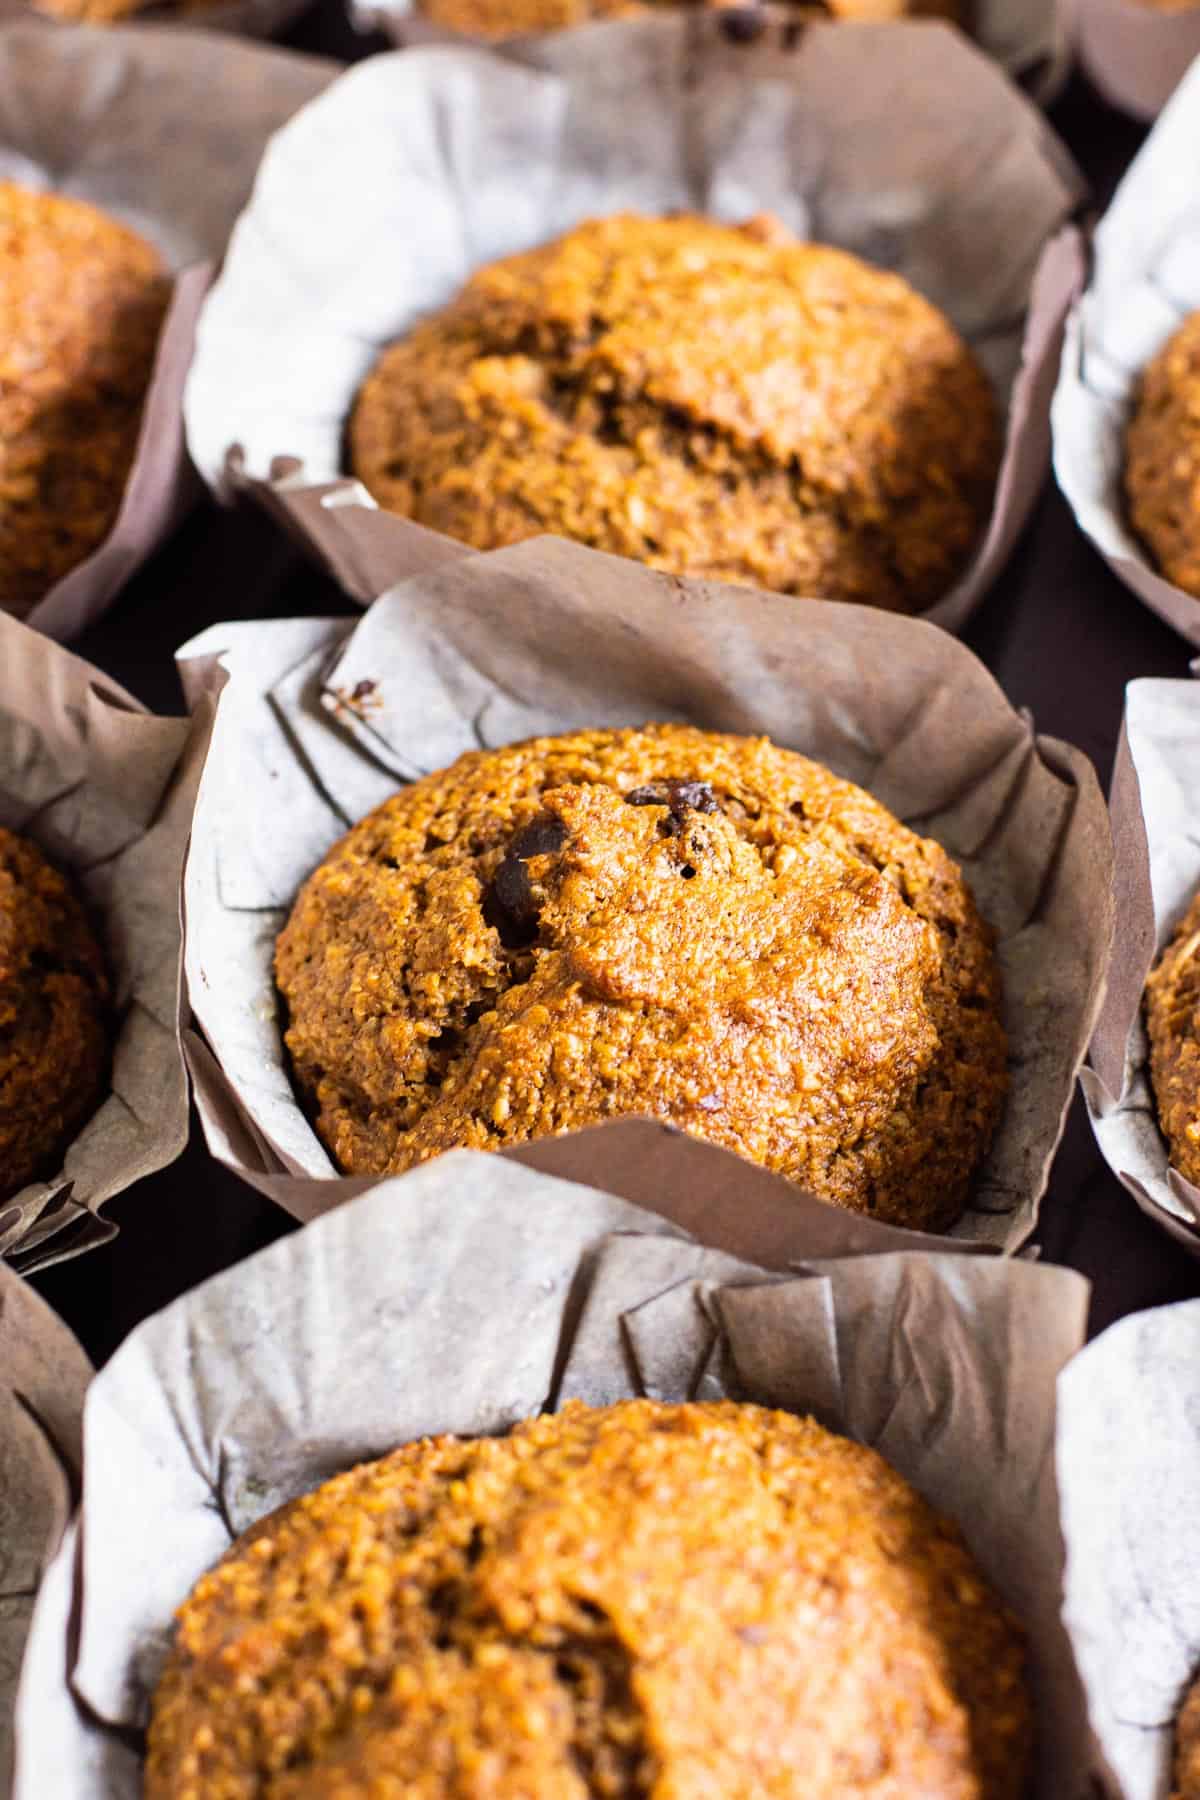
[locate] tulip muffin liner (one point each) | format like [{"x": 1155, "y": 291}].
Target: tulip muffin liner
[
  {"x": 318, "y": 721},
  {"x": 472, "y": 1293},
  {"x": 162, "y": 127},
  {"x": 899, "y": 143},
  {"x": 105, "y": 790},
  {"x": 1145, "y": 282},
  {"x": 1156, "y": 834}
]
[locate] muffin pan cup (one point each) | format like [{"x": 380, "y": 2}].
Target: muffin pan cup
[
  {"x": 900, "y": 143},
  {"x": 1156, "y": 833},
  {"x": 106, "y": 790},
  {"x": 1128, "y": 1468},
  {"x": 1135, "y": 52},
  {"x": 43, "y": 1376},
  {"x": 1030, "y": 39},
  {"x": 163, "y": 129},
  {"x": 318, "y": 721},
  {"x": 470, "y": 1294},
  {"x": 1145, "y": 281}
]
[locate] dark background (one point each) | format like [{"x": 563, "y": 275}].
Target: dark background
[{"x": 1058, "y": 631}]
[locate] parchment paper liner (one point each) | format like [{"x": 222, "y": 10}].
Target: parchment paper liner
[
  {"x": 106, "y": 790},
  {"x": 470, "y": 1294},
  {"x": 163, "y": 127},
  {"x": 900, "y": 143},
  {"x": 321, "y": 720},
  {"x": 1128, "y": 1458},
  {"x": 43, "y": 1373},
  {"x": 1135, "y": 53},
  {"x": 1156, "y": 831},
  {"x": 1030, "y": 39},
  {"x": 1145, "y": 281}
]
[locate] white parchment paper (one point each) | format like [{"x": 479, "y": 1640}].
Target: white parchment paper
[
  {"x": 318, "y": 721},
  {"x": 106, "y": 791},
  {"x": 898, "y": 142},
  {"x": 1145, "y": 281},
  {"x": 1156, "y": 829},
  {"x": 43, "y": 1375},
  {"x": 162, "y": 127},
  {"x": 472, "y": 1293},
  {"x": 1128, "y": 1459}
]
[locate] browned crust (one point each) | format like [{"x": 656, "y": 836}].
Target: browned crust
[
  {"x": 627, "y": 1602},
  {"x": 1173, "y": 1027},
  {"x": 782, "y": 967},
  {"x": 1162, "y": 458},
  {"x": 82, "y": 301},
  {"x": 713, "y": 401},
  {"x": 54, "y": 1015}
]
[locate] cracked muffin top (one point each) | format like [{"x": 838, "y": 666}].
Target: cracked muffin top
[
  {"x": 1162, "y": 458},
  {"x": 666, "y": 921},
  {"x": 613, "y": 1602},
  {"x": 82, "y": 302},
  {"x": 54, "y": 1015},
  {"x": 1173, "y": 1028},
  {"x": 508, "y": 18},
  {"x": 714, "y": 400}
]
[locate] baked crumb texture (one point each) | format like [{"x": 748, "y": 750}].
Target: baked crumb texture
[
  {"x": 82, "y": 302},
  {"x": 713, "y": 400},
  {"x": 637, "y": 1602},
  {"x": 54, "y": 1016},
  {"x": 1162, "y": 458},
  {"x": 507, "y": 18},
  {"x": 1186, "y": 1784},
  {"x": 666, "y": 921},
  {"x": 1173, "y": 1027}
]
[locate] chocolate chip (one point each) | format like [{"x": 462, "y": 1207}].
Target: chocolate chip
[
  {"x": 363, "y": 689},
  {"x": 679, "y": 797},
  {"x": 742, "y": 24},
  {"x": 509, "y": 906}
]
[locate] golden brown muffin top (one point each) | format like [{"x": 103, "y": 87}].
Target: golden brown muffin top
[
  {"x": 82, "y": 300},
  {"x": 715, "y": 401},
  {"x": 1162, "y": 458},
  {"x": 54, "y": 1015},
  {"x": 1186, "y": 1773},
  {"x": 507, "y": 18},
  {"x": 1173, "y": 1027},
  {"x": 665, "y": 921},
  {"x": 673, "y": 1602}
]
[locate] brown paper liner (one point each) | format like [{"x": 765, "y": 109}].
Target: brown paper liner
[
  {"x": 650, "y": 114},
  {"x": 1157, "y": 852},
  {"x": 472, "y": 1293},
  {"x": 43, "y": 1374},
  {"x": 547, "y": 636},
  {"x": 106, "y": 791},
  {"x": 162, "y": 126}
]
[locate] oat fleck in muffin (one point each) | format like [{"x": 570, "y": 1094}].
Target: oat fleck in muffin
[
  {"x": 716, "y": 401},
  {"x": 507, "y": 18},
  {"x": 1186, "y": 1781},
  {"x": 665, "y": 921},
  {"x": 1173, "y": 1027},
  {"x": 82, "y": 301},
  {"x": 54, "y": 1015},
  {"x": 640, "y": 1600},
  {"x": 1162, "y": 458}
]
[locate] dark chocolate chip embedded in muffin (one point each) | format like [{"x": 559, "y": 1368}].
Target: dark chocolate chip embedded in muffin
[
  {"x": 630, "y": 1601},
  {"x": 714, "y": 401},
  {"x": 55, "y": 1028},
  {"x": 82, "y": 303},
  {"x": 665, "y": 921}
]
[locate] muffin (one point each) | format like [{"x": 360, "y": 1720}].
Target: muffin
[
  {"x": 82, "y": 302},
  {"x": 1186, "y": 1774},
  {"x": 1173, "y": 1027},
  {"x": 55, "y": 1036},
  {"x": 714, "y": 400},
  {"x": 666, "y": 921},
  {"x": 622, "y": 1601},
  {"x": 507, "y": 18},
  {"x": 1162, "y": 458}
]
